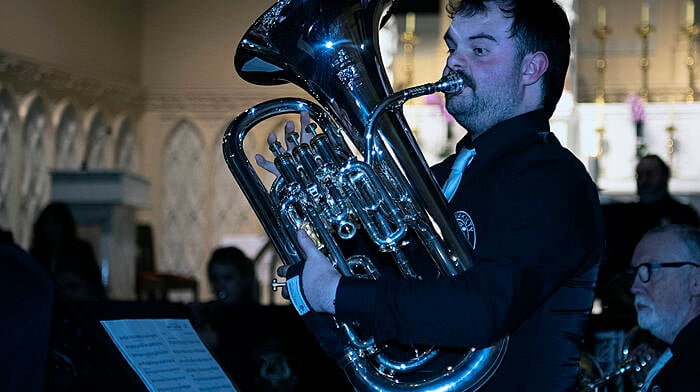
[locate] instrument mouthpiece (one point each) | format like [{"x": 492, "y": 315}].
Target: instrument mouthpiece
[{"x": 450, "y": 83}]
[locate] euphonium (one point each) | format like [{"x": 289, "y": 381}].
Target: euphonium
[
  {"x": 640, "y": 351},
  {"x": 351, "y": 180}
]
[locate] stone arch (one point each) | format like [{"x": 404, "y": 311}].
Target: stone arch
[
  {"x": 34, "y": 172},
  {"x": 97, "y": 142},
  {"x": 68, "y": 139},
  {"x": 8, "y": 154},
  {"x": 127, "y": 149},
  {"x": 183, "y": 196}
]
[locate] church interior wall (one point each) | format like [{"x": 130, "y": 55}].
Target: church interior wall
[
  {"x": 101, "y": 38},
  {"x": 159, "y": 63}
]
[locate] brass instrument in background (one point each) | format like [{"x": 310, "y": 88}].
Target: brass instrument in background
[
  {"x": 361, "y": 176},
  {"x": 640, "y": 351}
]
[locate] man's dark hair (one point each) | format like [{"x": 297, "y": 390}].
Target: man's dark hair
[
  {"x": 665, "y": 170},
  {"x": 538, "y": 25},
  {"x": 690, "y": 236},
  {"x": 59, "y": 212},
  {"x": 231, "y": 255},
  {"x": 56, "y": 213},
  {"x": 234, "y": 257}
]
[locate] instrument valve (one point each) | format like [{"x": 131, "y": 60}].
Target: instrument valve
[
  {"x": 276, "y": 148},
  {"x": 293, "y": 138},
  {"x": 311, "y": 128}
]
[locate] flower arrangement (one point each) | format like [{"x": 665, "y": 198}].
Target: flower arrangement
[
  {"x": 436, "y": 99},
  {"x": 638, "y": 117}
]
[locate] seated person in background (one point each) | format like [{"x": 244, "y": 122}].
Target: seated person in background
[
  {"x": 232, "y": 277},
  {"x": 653, "y": 175},
  {"x": 666, "y": 289},
  {"x": 262, "y": 348},
  {"x": 71, "y": 260},
  {"x": 233, "y": 283},
  {"x": 626, "y": 223}
]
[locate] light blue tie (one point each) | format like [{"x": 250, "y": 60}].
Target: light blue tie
[{"x": 464, "y": 158}]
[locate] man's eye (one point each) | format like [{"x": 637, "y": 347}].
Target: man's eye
[{"x": 480, "y": 51}]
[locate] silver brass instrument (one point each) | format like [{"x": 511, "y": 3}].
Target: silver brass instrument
[
  {"x": 640, "y": 351},
  {"x": 362, "y": 175},
  {"x": 639, "y": 363}
]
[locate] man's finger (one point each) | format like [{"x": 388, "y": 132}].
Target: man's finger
[
  {"x": 290, "y": 135},
  {"x": 305, "y": 242},
  {"x": 305, "y": 122},
  {"x": 271, "y": 138},
  {"x": 304, "y": 118},
  {"x": 267, "y": 165}
]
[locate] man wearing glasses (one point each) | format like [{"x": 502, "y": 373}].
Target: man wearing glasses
[{"x": 666, "y": 289}]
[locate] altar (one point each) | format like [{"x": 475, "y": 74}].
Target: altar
[
  {"x": 607, "y": 138},
  {"x": 604, "y": 137}
]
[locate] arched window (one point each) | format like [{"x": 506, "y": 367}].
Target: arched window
[
  {"x": 7, "y": 156},
  {"x": 127, "y": 151},
  {"x": 231, "y": 213},
  {"x": 34, "y": 177},
  {"x": 67, "y": 156},
  {"x": 98, "y": 134},
  {"x": 182, "y": 201}
]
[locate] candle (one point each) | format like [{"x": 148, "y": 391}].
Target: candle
[
  {"x": 673, "y": 109},
  {"x": 645, "y": 13},
  {"x": 410, "y": 22},
  {"x": 601, "y": 16},
  {"x": 690, "y": 12}
]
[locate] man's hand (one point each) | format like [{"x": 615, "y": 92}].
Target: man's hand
[
  {"x": 319, "y": 279},
  {"x": 290, "y": 140}
]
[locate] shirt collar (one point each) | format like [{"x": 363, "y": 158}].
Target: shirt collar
[{"x": 505, "y": 133}]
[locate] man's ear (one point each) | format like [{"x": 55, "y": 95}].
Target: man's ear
[{"x": 534, "y": 66}]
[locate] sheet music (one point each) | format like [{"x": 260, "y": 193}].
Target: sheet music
[{"x": 168, "y": 355}]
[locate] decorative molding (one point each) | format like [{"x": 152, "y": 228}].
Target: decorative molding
[
  {"x": 27, "y": 74},
  {"x": 193, "y": 102},
  {"x": 218, "y": 100}
]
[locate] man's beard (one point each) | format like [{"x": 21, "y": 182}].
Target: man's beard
[
  {"x": 647, "y": 318},
  {"x": 659, "y": 324},
  {"x": 488, "y": 105}
]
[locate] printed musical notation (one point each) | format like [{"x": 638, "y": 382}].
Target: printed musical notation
[{"x": 168, "y": 355}]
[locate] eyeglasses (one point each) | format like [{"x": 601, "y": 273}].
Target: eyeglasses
[{"x": 644, "y": 270}]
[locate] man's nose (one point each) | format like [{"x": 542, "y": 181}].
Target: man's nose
[
  {"x": 454, "y": 62},
  {"x": 636, "y": 287}
]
